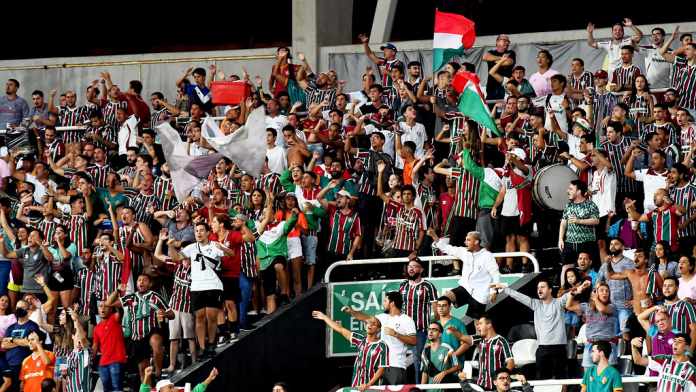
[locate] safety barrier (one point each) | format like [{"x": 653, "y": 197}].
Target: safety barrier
[
  {"x": 429, "y": 259},
  {"x": 534, "y": 383}
]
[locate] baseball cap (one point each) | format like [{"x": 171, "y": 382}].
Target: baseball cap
[
  {"x": 344, "y": 192},
  {"x": 584, "y": 124},
  {"x": 161, "y": 384},
  {"x": 388, "y": 45},
  {"x": 601, "y": 74},
  {"x": 519, "y": 153},
  {"x": 4, "y": 152},
  {"x": 241, "y": 217}
]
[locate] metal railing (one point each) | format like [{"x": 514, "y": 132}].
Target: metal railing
[
  {"x": 429, "y": 259},
  {"x": 534, "y": 383}
]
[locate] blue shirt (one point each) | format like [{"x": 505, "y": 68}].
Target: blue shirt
[
  {"x": 12, "y": 111},
  {"x": 15, "y": 356}
]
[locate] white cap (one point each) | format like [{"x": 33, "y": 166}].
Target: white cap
[
  {"x": 162, "y": 383},
  {"x": 3, "y": 152},
  {"x": 519, "y": 153}
]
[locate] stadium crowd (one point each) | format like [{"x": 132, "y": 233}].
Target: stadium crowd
[{"x": 102, "y": 267}]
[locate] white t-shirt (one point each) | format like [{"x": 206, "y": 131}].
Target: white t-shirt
[
  {"x": 277, "y": 159},
  {"x": 510, "y": 206},
  {"x": 203, "y": 274},
  {"x": 277, "y": 123},
  {"x": 555, "y": 106},
  {"x": 414, "y": 134},
  {"x": 657, "y": 69},
  {"x": 603, "y": 190},
  {"x": 403, "y": 325},
  {"x": 39, "y": 188},
  {"x": 195, "y": 150},
  {"x": 651, "y": 183},
  {"x": 613, "y": 49}
]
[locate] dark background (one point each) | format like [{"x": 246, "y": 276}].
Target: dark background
[{"x": 125, "y": 27}]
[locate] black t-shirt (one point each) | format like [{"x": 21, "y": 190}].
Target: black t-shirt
[{"x": 495, "y": 90}]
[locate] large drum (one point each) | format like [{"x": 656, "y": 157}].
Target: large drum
[{"x": 550, "y": 188}]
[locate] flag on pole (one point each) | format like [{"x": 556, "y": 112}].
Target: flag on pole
[
  {"x": 453, "y": 33},
  {"x": 471, "y": 102}
]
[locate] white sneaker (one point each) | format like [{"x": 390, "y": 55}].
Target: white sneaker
[
  {"x": 233, "y": 337},
  {"x": 253, "y": 313}
]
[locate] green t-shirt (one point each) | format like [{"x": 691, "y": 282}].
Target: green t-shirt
[
  {"x": 608, "y": 381},
  {"x": 439, "y": 360},
  {"x": 120, "y": 198},
  {"x": 448, "y": 338}
]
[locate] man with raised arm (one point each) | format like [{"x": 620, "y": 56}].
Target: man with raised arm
[{"x": 373, "y": 353}]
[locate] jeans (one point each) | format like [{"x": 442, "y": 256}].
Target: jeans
[
  {"x": 245, "y": 286},
  {"x": 417, "y": 350},
  {"x": 111, "y": 377},
  {"x": 5, "y": 267},
  {"x": 624, "y": 314}
]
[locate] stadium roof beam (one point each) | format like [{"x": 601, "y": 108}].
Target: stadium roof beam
[
  {"x": 383, "y": 21},
  {"x": 317, "y": 23}
]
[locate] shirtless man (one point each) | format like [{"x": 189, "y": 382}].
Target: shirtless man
[
  {"x": 639, "y": 279},
  {"x": 297, "y": 149}
]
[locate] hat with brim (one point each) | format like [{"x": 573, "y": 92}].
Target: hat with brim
[
  {"x": 162, "y": 384},
  {"x": 388, "y": 45}
]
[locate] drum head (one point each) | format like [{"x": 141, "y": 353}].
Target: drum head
[{"x": 550, "y": 188}]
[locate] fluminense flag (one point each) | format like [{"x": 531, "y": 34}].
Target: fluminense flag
[
  {"x": 246, "y": 147},
  {"x": 471, "y": 102},
  {"x": 187, "y": 172},
  {"x": 453, "y": 34}
]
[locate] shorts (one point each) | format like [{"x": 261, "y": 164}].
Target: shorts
[
  {"x": 511, "y": 225},
  {"x": 268, "y": 276},
  {"x": 294, "y": 247},
  {"x": 54, "y": 280},
  {"x": 230, "y": 289},
  {"x": 601, "y": 228},
  {"x": 206, "y": 299},
  {"x": 140, "y": 350},
  {"x": 182, "y": 326},
  {"x": 309, "y": 249}
]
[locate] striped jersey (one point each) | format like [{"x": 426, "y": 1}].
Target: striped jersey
[
  {"x": 493, "y": 353},
  {"x": 55, "y": 150},
  {"x": 77, "y": 231},
  {"x": 682, "y": 314},
  {"x": 343, "y": 230},
  {"x": 582, "y": 82},
  {"x": 47, "y": 228},
  {"x": 668, "y": 128},
  {"x": 140, "y": 313},
  {"x": 79, "y": 376},
  {"x": 418, "y": 299},
  {"x": 428, "y": 197},
  {"x": 180, "y": 300},
  {"x": 602, "y": 105},
  {"x": 107, "y": 132},
  {"x": 316, "y": 95},
  {"x": 674, "y": 376},
  {"x": 665, "y": 223},
  {"x": 639, "y": 106},
  {"x": 687, "y": 135},
  {"x": 467, "y": 194},
  {"x": 616, "y": 152},
  {"x": 136, "y": 259},
  {"x": 109, "y": 111},
  {"x": 88, "y": 284},
  {"x": 371, "y": 356},
  {"x": 624, "y": 76},
  {"x": 387, "y": 224},
  {"x": 164, "y": 190},
  {"x": 270, "y": 183},
  {"x": 110, "y": 269},
  {"x": 686, "y": 86},
  {"x": 684, "y": 197},
  {"x": 409, "y": 222},
  {"x": 99, "y": 174},
  {"x": 71, "y": 117},
  {"x": 141, "y": 202},
  {"x": 248, "y": 256},
  {"x": 678, "y": 65},
  {"x": 457, "y": 131},
  {"x": 157, "y": 117}
]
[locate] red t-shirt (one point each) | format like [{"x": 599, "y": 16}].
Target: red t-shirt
[
  {"x": 446, "y": 202},
  {"x": 108, "y": 339},
  {"x": 216, "y": 211},
  {"x": 231, "y": 265}
]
